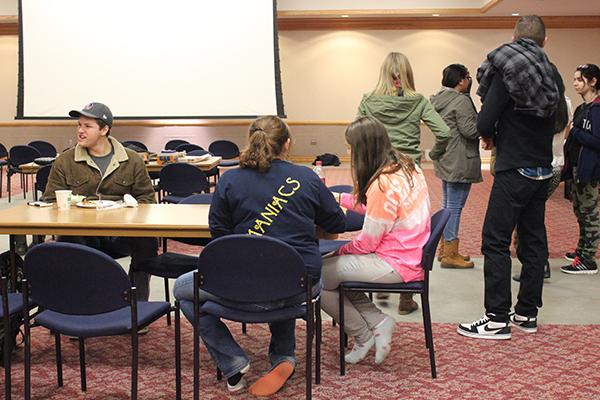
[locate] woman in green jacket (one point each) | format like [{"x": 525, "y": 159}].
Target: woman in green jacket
[{"x": 397, "y": 105}]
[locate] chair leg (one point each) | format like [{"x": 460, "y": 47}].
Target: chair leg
[
  {"x": 6, "y": 323},
  {"x": 219, "y": 374},
  {"x": 177, "y": 351},
  {"x": 27, "y": 343},
  {"x": 8, "y": 188},
  {"x": 342, "y": 333},
  {"x": 310, "y": 315},
  {"x": 59, "y": 372},
  {"x": 318, "y": 342},
  {"x": 196, "y": 339},
  {"x": 244, "y": 329},
  {"x": 82, "y": 364},
  {"x": 167, "y": 299},
  {"x": 428, "y": 332}
]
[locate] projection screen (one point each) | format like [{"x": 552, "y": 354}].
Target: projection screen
[{"x": 149, "y": 58}]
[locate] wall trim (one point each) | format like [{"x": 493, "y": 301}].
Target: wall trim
[{"x": 163, "y": 123}]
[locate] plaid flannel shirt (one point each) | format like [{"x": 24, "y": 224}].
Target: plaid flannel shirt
[{"x": 528, "y": 75}]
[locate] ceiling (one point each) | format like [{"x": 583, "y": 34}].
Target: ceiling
[{"x": 398, "y": 8}]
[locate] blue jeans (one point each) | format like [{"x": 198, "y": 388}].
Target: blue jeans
[
  {"x": 455, "y": 197},
  {"x": 221, "y": 345}
]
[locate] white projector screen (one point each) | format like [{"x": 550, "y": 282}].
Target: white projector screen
[{"x": 149, "y": 58}]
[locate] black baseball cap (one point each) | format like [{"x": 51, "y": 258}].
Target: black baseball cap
[{"x": 95, "y": 110}]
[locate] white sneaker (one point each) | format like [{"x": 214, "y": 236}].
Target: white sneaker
[
  {"x": 359, "y": 351},
  {"x": 485, "y": 328},
  {"x": 383, "y": 338},
  {"x": 526, "y": 324},
  {"x": 241, "y": 383}
]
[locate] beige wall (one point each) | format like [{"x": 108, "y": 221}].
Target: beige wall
[{"x": 324, "y": 74}]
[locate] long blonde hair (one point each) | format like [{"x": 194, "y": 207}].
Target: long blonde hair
[
  {"x": 267, "y": 137},
  {"x": 395, "y": 65}
]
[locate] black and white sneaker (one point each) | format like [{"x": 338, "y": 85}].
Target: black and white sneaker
[
  {"x": 237, "y": 381},
  {"x": 485, "y": 328},
  {"x": 526, "y": 324},
  {"x": 570, "y": 255},
  {"x": 579, "y": 267}
]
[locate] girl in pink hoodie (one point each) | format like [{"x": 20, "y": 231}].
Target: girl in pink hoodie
[{"x": 390, "y": 189}]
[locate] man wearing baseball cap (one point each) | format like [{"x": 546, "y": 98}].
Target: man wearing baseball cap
[{"x": 100, "y": 167}]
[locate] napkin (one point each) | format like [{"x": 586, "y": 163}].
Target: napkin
[{"x": 129, "y": 201}]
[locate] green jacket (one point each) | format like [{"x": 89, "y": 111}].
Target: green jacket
[
  {"x": 460, "y": 163},
  {"x": 126, "y": 174},
  {"x": 402, "y": 116}
]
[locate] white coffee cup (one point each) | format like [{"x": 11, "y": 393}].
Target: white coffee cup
[{"x": 63, "y": 198}]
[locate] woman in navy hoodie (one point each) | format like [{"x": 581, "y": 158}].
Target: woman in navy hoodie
[
  {"x": 269, "y": 196},
  {"x": 582, "y": 164}
]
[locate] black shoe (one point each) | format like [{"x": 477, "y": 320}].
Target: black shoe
[
  {"x": 547, "y": 273},
  {"x": 580, "y": 267},
  {"x": 570, "y": 255}
]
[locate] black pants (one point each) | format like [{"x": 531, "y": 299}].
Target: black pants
[
  {"x": 514, "y": 201},
  {"x": 139, "y": 248}
]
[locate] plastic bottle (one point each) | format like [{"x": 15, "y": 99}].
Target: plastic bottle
[{"x": 318, "y": 169}]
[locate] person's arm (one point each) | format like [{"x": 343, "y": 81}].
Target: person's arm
[
  {"x": 495, "y": 102},
  {"x": 592, "y": 141},
  {"x": 330, "y": 216},
  {"x": 57, "y": 180},
  {"x": 142, "y": 188},
  {"x": 439, "y": 129},
  {"x": 220, "y": 220},
  {"x": 466, "y": 119},
  {"x": 377, "y": 224}
]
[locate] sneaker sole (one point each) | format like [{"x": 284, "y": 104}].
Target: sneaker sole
[
  {"x": 521, "y": 328},
  {"x": 588, "y": 272},
  {"x": 499, "y": 336}
]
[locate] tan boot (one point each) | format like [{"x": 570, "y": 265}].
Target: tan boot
[
  {"x": 440, "y": 253},
  {"x": 407, "y": 304},
  {"x": 451, "y": 258},
  {"x": 465, "y": 257}
]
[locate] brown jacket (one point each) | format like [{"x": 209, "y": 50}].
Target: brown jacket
[{"x": 126, "y": 174}]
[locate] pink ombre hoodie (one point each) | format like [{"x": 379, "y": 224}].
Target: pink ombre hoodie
[{"x": 397, "y": 223}]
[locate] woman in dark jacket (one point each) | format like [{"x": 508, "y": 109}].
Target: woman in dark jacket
[{"x": 582, "y": 164}]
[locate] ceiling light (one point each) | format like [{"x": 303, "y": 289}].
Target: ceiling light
[
  {"x": 435, "y": 15},
  {"x": 344, "y": 16},
  {"x": 515, "y": 14}
]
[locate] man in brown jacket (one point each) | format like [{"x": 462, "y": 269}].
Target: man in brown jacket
[{"x": 100, "y": 167}]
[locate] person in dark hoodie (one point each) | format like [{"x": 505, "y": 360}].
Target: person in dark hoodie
[
  {"x": 582, "y": 164},
  {"x": 460, "y": 165},
  {"x": 521, "y": 91},
  {"x": 396, "y": 104}
]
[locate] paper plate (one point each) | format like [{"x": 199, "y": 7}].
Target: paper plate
[{"x": 96, "y": 204}]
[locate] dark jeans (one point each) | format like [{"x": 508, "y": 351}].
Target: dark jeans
[
  {"x": 139, "y": 248},
  {"x": 514, "y": 201}
]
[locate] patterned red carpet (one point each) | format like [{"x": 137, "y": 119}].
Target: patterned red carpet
[{"x": 559, "y": 362}]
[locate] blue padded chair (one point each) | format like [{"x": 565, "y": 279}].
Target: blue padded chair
[
  {"x": 172, "y": 265},
  {"x": 12, "y": 303},
  {"x": 187, "y": 147},
  {"x": 3, "y": 163},
  {"x": 438, "y": 222},
  {"x": 238, "y": 268},
  {"x": 227, "y": 150},
  {"x": 18, "y": 155},
  {"x": 172, "y": 144},
  {"x": 179, "y": 180},
  {"x": 135, "y": 143},
  {"x": 84, "y": 293},
  {"x": 214, "y": 173},
  {"x": 46, "y": 149},
  {"x": 354, "y": 222},
  {"x": 41, "y": 180}
]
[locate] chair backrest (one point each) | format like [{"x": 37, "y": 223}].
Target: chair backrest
[
  {"x": 181, "y": 179},
  {"x": 46, "y": 149},
  {"x": 224, "y": 148},
  {"x": 74, "y": 279},
  {"x": 135, "y": 143},
  {"x": 438, "y": 223},
  {"x": 341, "y": 188},
  {"x": 3, "y": 151},
  {"x": 246, "y": 268},
  {"x": 172, "y": 144},
  {"x": 41, "y": 177},
  {"x": 201, "y": 198},
  {"x": 187, "y": 147},
  {"x": 21, "y": 154},
  {"x": 199, "y": 152}
]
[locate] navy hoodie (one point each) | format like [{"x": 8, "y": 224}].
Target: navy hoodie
[{"x": 284, "y": 202}]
